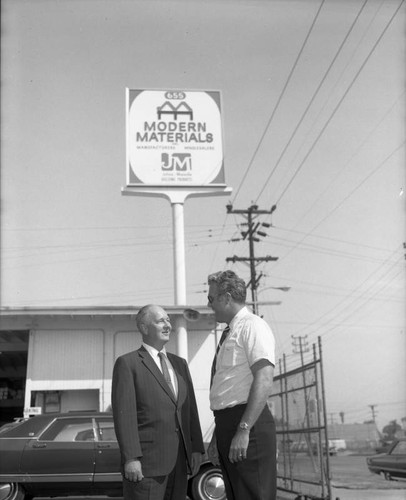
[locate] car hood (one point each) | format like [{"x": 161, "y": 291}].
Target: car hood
[{"x": 378, "y": 455}]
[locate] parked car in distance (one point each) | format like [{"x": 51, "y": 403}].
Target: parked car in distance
[
  {"x": 73, "y": 454},
  {"x": 392, "y": 464},
  {"x": 332, "y": 451}
]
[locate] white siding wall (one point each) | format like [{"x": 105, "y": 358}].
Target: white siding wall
[
  {"x": 76, "y": 354},
  {"x": 66, "y": 359},
  {"x": 80, "y": 400},
  {"x": 202, "y": 345},
  {"x": 125, "y": 342}
]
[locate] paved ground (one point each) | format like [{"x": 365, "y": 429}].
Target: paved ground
[
  {"x": 351, "y": 480},
  {"x": 368, "y": 494}
]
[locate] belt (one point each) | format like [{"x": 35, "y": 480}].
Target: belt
[{"x": 231, "y": 409}]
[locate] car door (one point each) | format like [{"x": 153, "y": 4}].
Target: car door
[
  {"x": 62, "y": 456},
  {"x": 107, "y": 467}
]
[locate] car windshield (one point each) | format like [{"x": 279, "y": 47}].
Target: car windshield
[{"x": 399, "y": 449}]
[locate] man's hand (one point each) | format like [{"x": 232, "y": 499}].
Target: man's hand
[
  {"x": 196, "y": 462},
  {"x": 239, "y": 446},
  {"x": 212, "y": 451},
  {"x": 133, "y": 471}
]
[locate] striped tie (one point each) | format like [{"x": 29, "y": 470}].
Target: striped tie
[
  {"x": 165, "y": 372},
  {"x": 213, "y": 366}
]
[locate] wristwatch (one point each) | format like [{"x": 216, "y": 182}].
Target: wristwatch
[{"x": 244, "y": 426}]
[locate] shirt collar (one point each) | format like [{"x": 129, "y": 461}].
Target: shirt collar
[
  {"x": 152, "y": 351},
  {"x": 241, "y": 313}
]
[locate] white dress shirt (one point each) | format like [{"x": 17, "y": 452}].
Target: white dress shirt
[{"x": 154, "y": 354}]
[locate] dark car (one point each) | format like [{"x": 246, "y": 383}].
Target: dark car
[
  {"x": 9, "y": 425},
  {"x": 75, "y": 454},
  {"x": 384, "y": 447},
  {"x": 392, "y": 464}
]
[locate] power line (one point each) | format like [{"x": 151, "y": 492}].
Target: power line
[
  {"x": 328, "y": 238},
  {"x": 380, "y": 165},
  {"x": 330, "y": 93},
  {"x": 333, "y": 183},
  {"x": 359, "y": 306},
  {"x": 343, "y": 302},
  {"x": 338, "y": 104},
  {"x": 340, "y": 322},
  {"x": 312, "y": 98},
  {"x": 280, "y": 98},
  {"x": 307, "y": 247}
]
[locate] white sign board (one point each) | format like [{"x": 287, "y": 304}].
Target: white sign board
[
  {"x": 174, "y": 138},
  {"x": 32, "y": 411}
]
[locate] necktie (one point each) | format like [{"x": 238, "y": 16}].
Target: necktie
[
  {"x": 213, "y": 366},
  {"x": 165, "y": 372}
]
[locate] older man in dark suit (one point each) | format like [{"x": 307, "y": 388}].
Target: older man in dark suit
[{"x": 155, "y": 415}]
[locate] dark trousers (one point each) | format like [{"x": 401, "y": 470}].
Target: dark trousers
[
  {"x": 255, "y": 477},
  {"x": 171, "y": 487}
]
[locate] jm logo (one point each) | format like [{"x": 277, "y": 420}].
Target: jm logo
[{"x": 181, "y": 162}]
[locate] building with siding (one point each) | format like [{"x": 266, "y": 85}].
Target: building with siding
[
  {"x": 357, "y": 437},
  {"x": 61, "y": 359}
]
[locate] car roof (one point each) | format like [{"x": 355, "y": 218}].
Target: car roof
[
  {"x": 76, "y": 413},
  {"x": 35, "y": 425}
]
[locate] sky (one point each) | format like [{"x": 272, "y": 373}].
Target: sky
[{"x": 312, "y": 105}]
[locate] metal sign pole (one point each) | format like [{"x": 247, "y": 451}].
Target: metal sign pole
[
  {"x": 177, "y": 198},
  {"x": 180, "y": 276}
]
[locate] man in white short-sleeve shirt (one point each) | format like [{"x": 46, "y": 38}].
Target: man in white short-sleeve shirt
[
  {"x": 250, "y": 340},
  {"x": 244, "y": 440}
]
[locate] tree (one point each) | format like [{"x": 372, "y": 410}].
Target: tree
[{"x": 390, "y": 430}]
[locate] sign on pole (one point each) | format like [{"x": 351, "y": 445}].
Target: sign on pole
[{"x": 174, "y": 138}]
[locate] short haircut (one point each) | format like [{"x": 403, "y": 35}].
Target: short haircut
[
  {"x": 142, "y": 315},
  {"x": 229, "y": 282}
]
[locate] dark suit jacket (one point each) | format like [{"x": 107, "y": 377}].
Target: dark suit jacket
[{"x": 147, "y": 419}]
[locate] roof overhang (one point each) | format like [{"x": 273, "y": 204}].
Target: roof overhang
[{"x": 186, "y": 311}]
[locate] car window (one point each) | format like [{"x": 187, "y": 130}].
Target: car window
[
  {"x": 105, "y": 430},
  {"x": 69, "y": 429},
  {"x": 399, "y": 449}
]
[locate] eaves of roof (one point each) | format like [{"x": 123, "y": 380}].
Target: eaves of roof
[{"x": 95, "y": 311}]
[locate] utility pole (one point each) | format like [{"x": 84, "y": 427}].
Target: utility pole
[
  {"x": 250, "y": 214},
  {"x": 301, "y": 343},
  {"x": 373, "y": 413}
]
